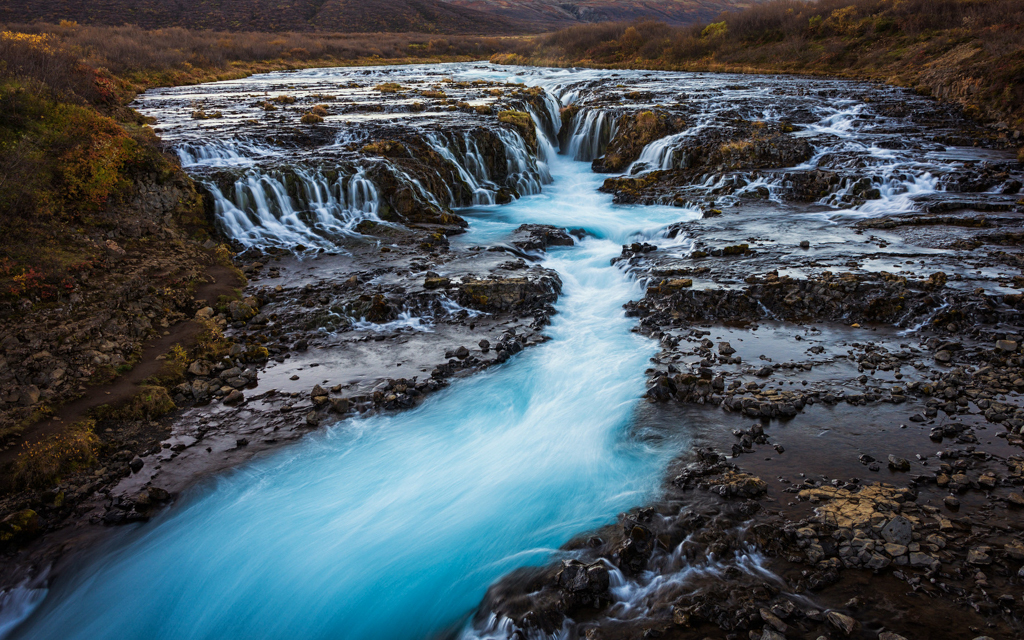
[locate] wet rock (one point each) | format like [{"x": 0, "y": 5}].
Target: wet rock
[
  {"x": 920, "y": 559},
  {"x": 436, "y": 282},
  {"x": 635, "y": 550},
  {"x": 510, "y": 295},
  {"x": 136, "y": 464},
  {"x": 943, "y": 356},
  {"x": 979, "y": 555},
  {"x": 898, "y": 531},
  {"x": 773, "y": 620},
  {"x": 737, "y": 484},
  {"x": 234, "y": 397},
  {"x": 895, "y": 550},
  {"x": 633, "y": 132},
  {"x": 340, "y": 405},
  {"x": 898, "y": 464},
  {"x": 461, "y": 353},
  {"x": 538, "y": 237},
  {"x": 842, "y": 622},
  {"x": 587, "y": 584},
  {"x": 1006, "y": 346},
  {"x": 239, "y": 310}
]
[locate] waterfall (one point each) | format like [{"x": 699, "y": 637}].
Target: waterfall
[
  {"x": 260, "y": 208},
  {"x": 523, "y": 174},
  {"x": 471, "y": 167},
  {"x": 221, "y": 153},
  {"x": 659, "y": 154},
  {"x": 591, "y": 134}
]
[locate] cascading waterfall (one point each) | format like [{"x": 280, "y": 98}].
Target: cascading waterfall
[
  {"x": 302, "y": 206},
  {"x": 523, "y": 175},
  {"x": 261, "y": 210},
  {"x": 659, "y": 154},
  {"x": 221, "y": 153},
  {"x": 427, "y": 506},
  {"x": 472, "y": 170},
  {"x": 592, "y": 130}
]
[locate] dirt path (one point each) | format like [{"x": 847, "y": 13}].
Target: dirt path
[{"x": 223, "y": 282}]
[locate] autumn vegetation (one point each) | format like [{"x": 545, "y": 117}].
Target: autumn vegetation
[
  {"x": 68, "y": 150},
  {"x": 175, "y": 56}
]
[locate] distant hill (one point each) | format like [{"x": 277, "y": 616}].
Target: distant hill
[
  {"x": 348, "y": 16},
  {"x": 479, "y": 17},
  {"x": 542, "y": 14}
]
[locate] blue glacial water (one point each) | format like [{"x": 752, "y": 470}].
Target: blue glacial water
[{"x": 394, "y": 526}]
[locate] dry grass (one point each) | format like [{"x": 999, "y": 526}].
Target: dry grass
[
  {"x": 149, "y": 403},
  {"x": 177, "y": 56},
  {"x": 43, "y": 464}
]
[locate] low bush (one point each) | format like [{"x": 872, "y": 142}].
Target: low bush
[{"x": 44, "y": 463}]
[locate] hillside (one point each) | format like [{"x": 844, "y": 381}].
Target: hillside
[
  {"x": 350, "y": 16},
  {"x": 490, "y": 17},
  {"x": 557, "y": 13}
]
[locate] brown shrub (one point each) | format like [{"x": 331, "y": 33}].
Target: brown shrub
[{"x": 43, "y": 464}]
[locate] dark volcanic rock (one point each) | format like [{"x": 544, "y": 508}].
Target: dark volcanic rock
[
  {"x": 538, "y": 237},
  {"x": 634, "y": 132},
  {"x": 510, "y": 294}
]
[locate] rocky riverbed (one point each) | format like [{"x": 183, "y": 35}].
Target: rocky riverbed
[{"x": 831, "y": 272}]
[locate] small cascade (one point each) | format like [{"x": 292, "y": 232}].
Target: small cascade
[
  {"x": 470, "y": 167},
  {"x": 298, "y": 207},
  {"x": 545, "y": 147},
  {"x": 523, "y": 174},
  {"x": 659, "y": 154},
  {"x": 891, "y": 192},
  {"x": 593, "y": 130},
  {"x": 221, "y": 153}
]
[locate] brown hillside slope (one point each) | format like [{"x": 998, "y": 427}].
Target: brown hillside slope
[
  {"x": 559, "y": 13},
  {"x": 362, "y": 16}
]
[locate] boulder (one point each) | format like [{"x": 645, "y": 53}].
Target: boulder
[
  {"x": 199, "y": 368},
  {"x": 842, "y": 622},
  {"x": 538, "y": 237},
  {"x": 1006, "y": 346},
  {"x": 898, "y": 531}
]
